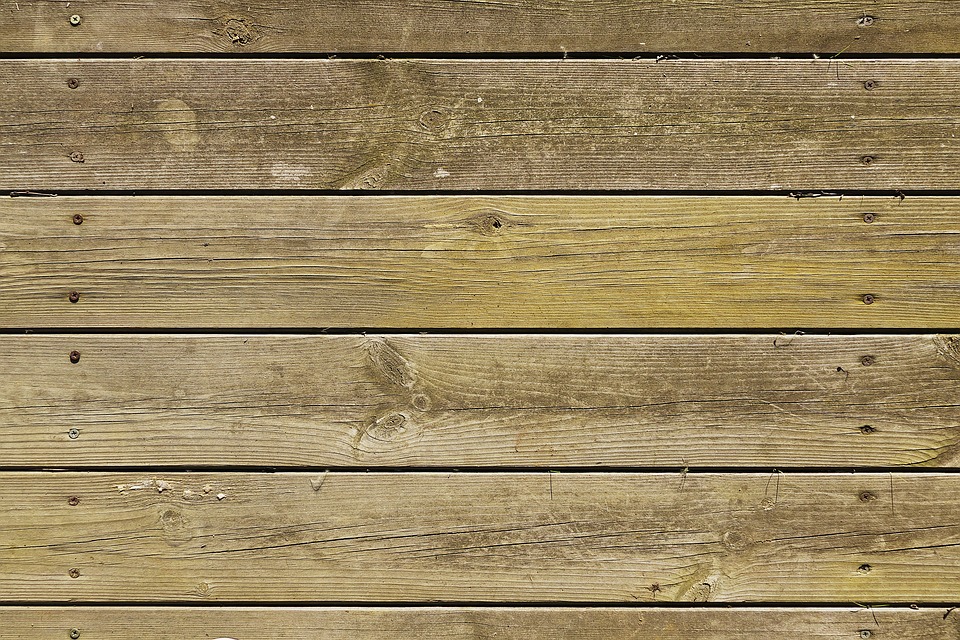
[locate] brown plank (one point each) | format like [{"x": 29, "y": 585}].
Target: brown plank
[
  {"x": 480, "y": 124},
  {"x": 501, "y": 537},
  {"x": 480, "y": 262},
  {"x": 891, "y": 26},
  {"x": 495, "y": 400},
  {"x": 520, "y": 623}
]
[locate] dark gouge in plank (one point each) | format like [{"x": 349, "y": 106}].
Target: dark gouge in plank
[
  {"x": 492, "y": 400},
  {"x": 480, "y": 124},
  {"x": 915, "y": 26},
  {"x": 470, "y": 623},
  {"x": 501, "y": 537},
  {"x": 890, "y": 26},
  {"x": 480, "y": 262}
]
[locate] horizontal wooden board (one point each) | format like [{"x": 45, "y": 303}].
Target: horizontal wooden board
[
  {"x": 895, "y": 26},
  {"x": 520, "y": 623},
  {"x": 488, "y": 537},
  {"x": 493, "y": 400},
  {"x": 618, "y": 125},
  {"x": 480, "y": 262}
]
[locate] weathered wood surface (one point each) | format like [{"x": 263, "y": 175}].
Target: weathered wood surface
[
  {"x": 488, "y": 537},
  {"x": 480, "y": 262},
  {"x": 480, "y": 124},
  {"x": 495, "y": 400},
  {"x": 449, "y": 623},
  {"x": 830, "y": 26}
]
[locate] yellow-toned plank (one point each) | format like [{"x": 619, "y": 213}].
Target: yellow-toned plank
[
  {"x": 501, "y": 537},
  {"x": 889, "y": 26},
  {"x": 454, "y": 623},
  {"x": 616, "y": 125},
  {"x": 480, "y": 262},
  {"x": 491, "y": 400}
]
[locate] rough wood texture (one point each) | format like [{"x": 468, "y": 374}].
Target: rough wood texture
[
  {"x": 473, "y": 623},
  {"x": 895, "y": 26},
  {"x": 762, "y": 401},
  {"x": 503, "y": 537},
  {"x": 479, "y": 262},
  {"x": 476, "y": 124}
]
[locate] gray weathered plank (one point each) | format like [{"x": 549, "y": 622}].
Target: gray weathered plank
[
  {"x": 454, "y": 623},
  {"x": 488, "y": 537},
  {"x": 480, "y": 262},
  {"x": 480, "y": 124},
  {"x": 492, "y": 400},
  {"x": 829, "y": 26}
]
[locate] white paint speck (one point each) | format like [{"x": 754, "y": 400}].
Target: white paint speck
[
  {"x": 289, "y": 173},
  {"x": 221, "y": 496},
  {"x": 441, "y": 173}
]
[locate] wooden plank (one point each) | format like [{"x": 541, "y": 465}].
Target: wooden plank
[
  {"x": 489, "y": 537},
  {"x": 515, "y": 623},
  {"x": 773, "y": 26},
  {"x": 480, "y": 124},
  {"x": 480, "y": 262},
  {"x": 495, "y": 400}
]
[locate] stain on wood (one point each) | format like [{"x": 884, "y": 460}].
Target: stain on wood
[
  {"x": 618, "y": 125},
  {"x": 521, "y": 26},
  {"x": 500, "y": 537},
  {"x": 479, "y": 263},
  {"x": 499, "y": 401}
]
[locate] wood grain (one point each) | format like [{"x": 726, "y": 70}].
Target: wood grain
[
  {"x": 479, "y": 262},
  {"x": 829, "y": 26},
  {"x": 474, "y": 401},
  {"x": 480, "y": 124},
  {"x": 501, "y": 537},
  {"x": 449, "y": 623}
]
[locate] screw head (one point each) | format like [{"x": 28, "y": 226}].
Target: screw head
[
  {"x": 77, "y": 218},
  {"x": 74, "y": 297},
  {"x": 76, "y": 156},
  {"x": 867, "y": 429},
  {"x": 74, "y": 357},
  {"x": 869, "y": 218},
  {"x": 867, "y": 496},
  {"x": 867, "y": 160},
  {"x": 74, "y": 633},
  {"x": 75, "y": 20},
  {"x": 870, "y": 85},
  {"x": 868, "y": 361},
  {"x": 869, "y": 299},
  {"x": 73, "y": 83},
  {"x": 866, "y": 21},
  {"x": 74, "y": 573},
  {"x": 73, "y": 501},
  {"x": 73, "y": 434},
  {"x": 866, "y": 633}
]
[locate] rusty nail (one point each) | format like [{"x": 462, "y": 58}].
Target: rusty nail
[
  {"x": 867, "y": 160},
  {"x": 867, "y": 496},
  {"x": 73, "y": 501},
  {"x": 866, "y": 21},
  {"x": 866, "y": 633},
  {"x": 77, "y": 218},
  {"x": 74, "y": 573},
  {"x": 867, "y": 430},
  {"x": 73, "y": 434},
  {"x": 870, "y": 85},
  {"x": 76, "y": 156},
  {"x": 74, "y": 297},
  {"x": 74, "y": 633},
  {"x": 74, "y": 357},
  {"x": 869, "y": 218},
  {"x": 869, "y": 299},
  {"x": 74, "y": 19},
  {"x": 73, "y": 83},
  {"x": 867, "y": 361}
]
